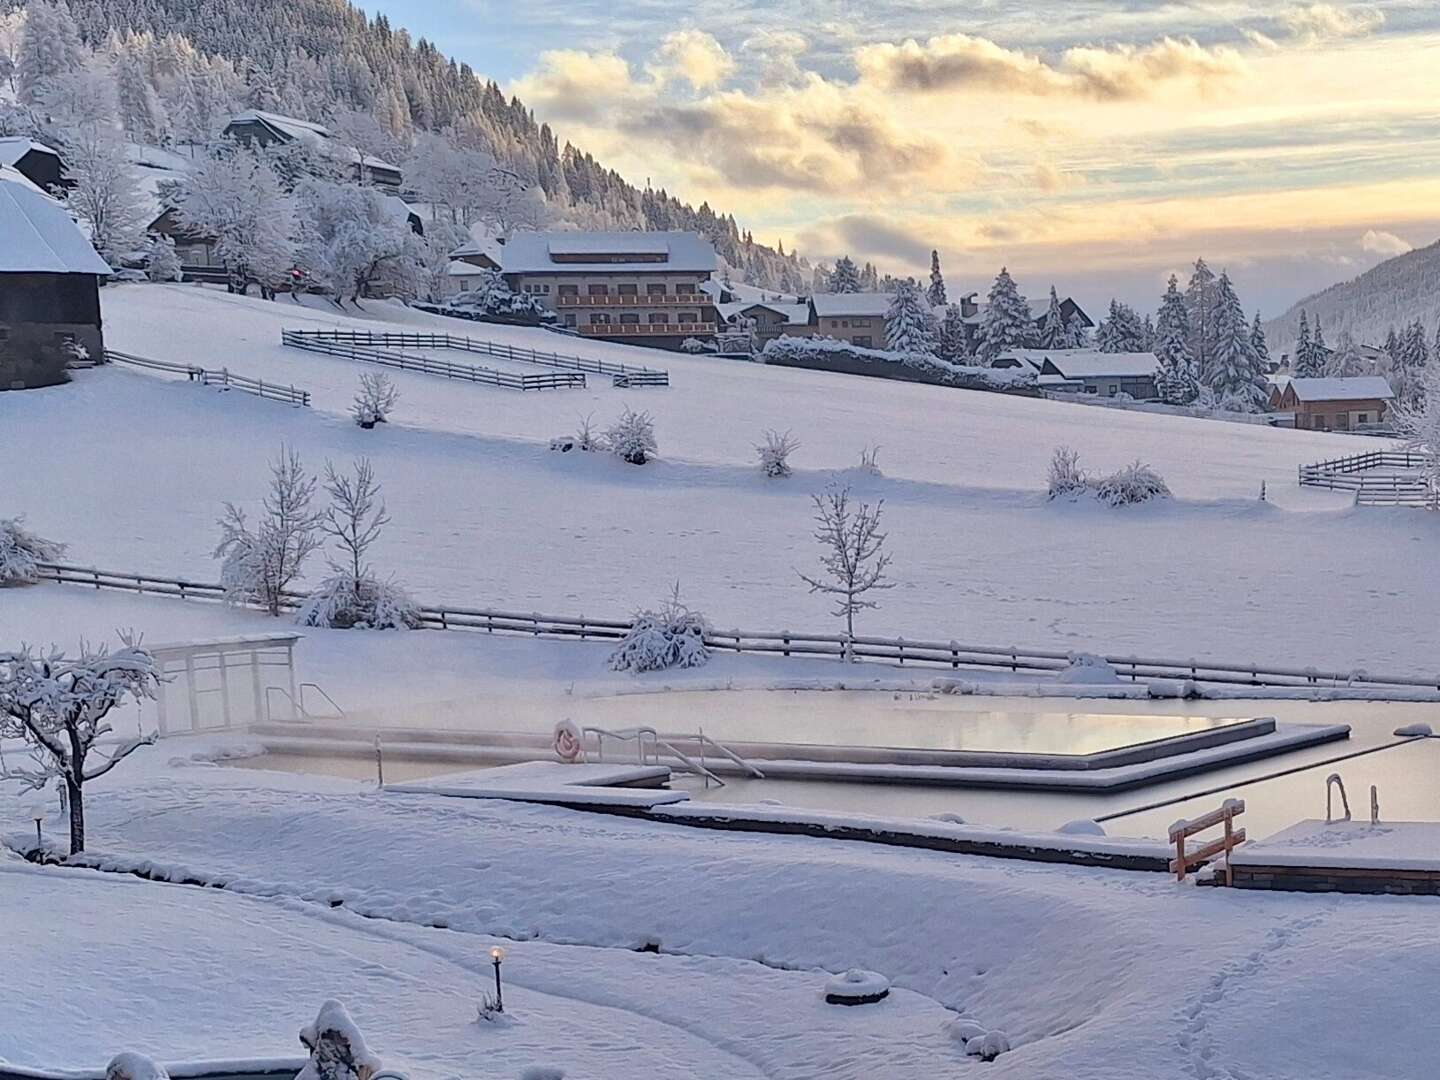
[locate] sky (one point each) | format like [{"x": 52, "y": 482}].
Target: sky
[{"x": 1098, "y": 145}]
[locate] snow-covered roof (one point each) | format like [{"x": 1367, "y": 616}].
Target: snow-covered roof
[
  {"x": 607, "y": 252},
  {"x": 15, "y": 176},
  {"x": 794, "y": 314},
  {"x": 863, "y": 304},
  {"x": 312, "y": 134},
  {"x": 464, "y": 269},
  {"x": 1354, "y": 388},
  {"x": 40, "y": 237},
  {"x": 14, "y": 147},
  {"x": 1089, "y": 364},
  {"x": 489, "y": 247}
]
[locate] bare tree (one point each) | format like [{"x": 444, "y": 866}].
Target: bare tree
[
  {"x": 355, "y": 517},
  {"x": 375, "y": 400},
  {"x": 854, "y": 555},
  {"x": 775, "y": 453},
  {"x": 58, "y": 705},
  {"x": 260, "y": 565}
]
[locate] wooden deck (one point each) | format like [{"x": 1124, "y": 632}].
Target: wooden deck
[{"x": 1390, "y": 858}]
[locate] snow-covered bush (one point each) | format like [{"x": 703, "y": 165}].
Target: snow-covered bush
[
  {"x": 870, "y": 461},
  {"x": 375, "y": 400},
  {"x": 161, "y": 262},
  {"x": 827, "y": 354},
  {"x": 587, "y": 438},
  {"x": 337, "y": 1049},
  {"x": 490, "y": 297},
  {"x": 1135, "y": 483},
  {"x": 344, "y": 602},
  {"x": 671, "y": 637},
  {"x": 134, "y": 1067},
  {"x": 632, "y": 437},
  {"x": 1066, "y": 476},
  {"x": 1087, "y": 668},
  {"x": 21, "y": 552},
  {"x": 695, "y": 345},
  {"x": 775, "y": 453}
]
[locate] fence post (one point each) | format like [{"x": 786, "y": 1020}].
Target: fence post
[
  {"x": 900, "y": 642},
  {"x": 785, "y": 642},
  {"x": 954, "y": 656}
]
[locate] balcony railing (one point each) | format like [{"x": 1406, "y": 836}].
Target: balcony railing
[
  {"x": 626, "y": 300},
  {"x": 646, "y": 329}
]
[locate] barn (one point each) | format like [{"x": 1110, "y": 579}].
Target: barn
[
  {"x": 49, "y": 288},
  {"x": 35, "y": 161}
]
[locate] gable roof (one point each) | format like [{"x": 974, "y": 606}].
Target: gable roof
[
  {"x": 566, "y": 252},
  {"x": 40, "y": 237},
  {"x": 13, "y": 148},
  {"x": 865, "y": 305},
  {"x": 793, "y": 314},
  {"x": 1091, "y": 363},
  {"x": 315, "y": 135},
  {"x": 1355, "y": 388}
]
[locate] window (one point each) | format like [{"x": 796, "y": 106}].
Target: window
[
  {"x": 629, "y": 318},
  {"x": 628, "y": 290},
  {"x": 845, "y": 323},
  {"x": 545, "y": 289},
  {"x": 570, "y": 319},
  {"x": 654, "y": 289},
  {"x": 598, "y": 290},
  {"x": 1360, "y": 418},
  {"x": 834, "y": 323},
  {"x": 599, "y": 318},
  {"x": 688, "y": 317},
  {"x": 4, "y": 334},
  {"x": 1112, "y": 389},
  {"x": 863, "y": 341},
  {"x": 684, "y": 288},
  {"x": 569, "y": 290},
  {"x": 657, "y": 318}
]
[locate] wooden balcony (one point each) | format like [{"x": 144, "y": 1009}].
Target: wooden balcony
[
  {"x": 616, "y": 329},
  {"x": 643, "y": 300}
]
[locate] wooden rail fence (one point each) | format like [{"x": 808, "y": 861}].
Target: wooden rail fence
[
  {"x": 952, "y": 655},
  {"x": 1353, "y": 473},
  {"x": 224, "y": 378},
  {"x": 622, "y": 374},
  {"x": 1233, "y": 838},
  {"x": 309, "y": 341}
]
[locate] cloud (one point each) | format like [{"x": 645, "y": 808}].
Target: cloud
[
  {"x": 953, "y": 62},
  {"x": 1379, "y": 242},
  {"x": 691, "y": 56},
  {"x": 1052, "y": 179},
  {"x": 1318, "y": 22},
  {"x": 776, "y": 55},
  {"x": 573, "y": 85}
]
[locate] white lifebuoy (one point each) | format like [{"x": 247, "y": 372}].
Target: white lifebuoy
[{"x": 568, "y": 747}]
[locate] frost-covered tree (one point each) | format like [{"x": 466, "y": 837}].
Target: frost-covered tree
[
  {"x": 1308, "y": 363},
  {"x": 1320, "y": 349},
  {"x": 1392, "y": 345},
  {"x": 351, "y": 243},
  {"x": 672, "y": 636},
  {"x": 234, "y": 195},
  {"x": 440, "y": 239},
  {"x": 845, "y": 278},
  {"x": 59, "y": 705},
  {"x": 375, "y": 399},
  {"x": 259, "y": 565},
  {"x": 22, "y": 552},
  {"x": 104, "y": 193},
  {"x": 632, "y": 437},
  {"x": 12, "y": 30},
  {"x": 161, "y": 262},
  {"x": 936, "y": 293},
  {"x": 49, "y": 49},
  {"x": 952, "y": 340},
  {"x": 1176, "y": 381},
  {"x": 909, "y": 326},
  {"x": 853, "y": 556},
  {"x": 1076, "y": 334},
  {"x": 1259, "y": 343},
  {"x": 775, "y": 453},
  {"x": 1235, "y": 374},
  {"x": 141, "y": 113},
  {"x": 1053, "y": 334},
  {"x": 353, "y": 596},
  {"x": 1007, "y": 323},
  {"x": 1122, "y": 331},
  {"x": 1201, "y": 298},
  {"x": 1346, "y": 361},
  {"x": 1419, "y": 422},
  {"x": 1414, "y": 347}
]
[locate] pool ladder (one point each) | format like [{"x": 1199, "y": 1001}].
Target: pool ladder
[
  {"x": 1332, "y": 782},
  {"x": 651, "y": 746}
]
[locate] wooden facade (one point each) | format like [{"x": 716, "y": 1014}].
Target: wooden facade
[
  {"x": 43, "y": 317},
  {"x": 1330, "y": 414}
]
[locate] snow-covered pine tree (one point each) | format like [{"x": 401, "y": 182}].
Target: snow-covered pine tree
[
  {"x": 1147, "y": 334},
  {"x": 1122, "y": 331},
  {"x": 1305, "y": 365},
  {"x": 161, "y": 262},
  {"x": 1052, "y": 331},
  {"x": 50, "y": 48},
  {"x": 1414, "y": 347},
  {"x": 1259, "y": 344},
  {"x": 1235, "y": 374},
  {"x": 936, "y": 293},
  {"x": 909, "y": 326},
  {"x": 1200, "y": 301},
  {"x": 1176, "y": 381},
  {"x": 141, "y": 114},
  {"x": 845, "y": 278},
  {"x": 1076, "y": 334},
  {"x": 1007, "y": 323},
  {"x": 1346, "y": 362},
  {"x": 952, "y": 342},
  {"x": 1392, "y": 345}
]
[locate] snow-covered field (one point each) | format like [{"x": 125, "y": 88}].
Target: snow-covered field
[
  {"x": 132, "y": 469},
  {"x": 1093, "y": 974}
]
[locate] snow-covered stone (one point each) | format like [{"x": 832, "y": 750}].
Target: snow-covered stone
[
  {"x": 337, "y": 1049},
  {"x": 856, "y": 987},
  {"x": 134, "y": 1067}
]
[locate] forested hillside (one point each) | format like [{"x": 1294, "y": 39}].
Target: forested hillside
[
  {"x": 324, "y": 60},
  {"x": 1389, "y": 297}
]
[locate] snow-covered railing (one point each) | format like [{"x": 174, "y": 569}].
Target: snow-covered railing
[
  {"x": 322, "y": 342},
  {"x": 517, "y": 353},
  {"x": 223, "y": 378},
  {"x": 1353, "y": 473},
  {"x": 1182, "y": 830},
  {"x": 945, "y": 654}
]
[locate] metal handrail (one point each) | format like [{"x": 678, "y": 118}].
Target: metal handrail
[
  {"x": 339, "y": 712},
  {"x": 659, "y": 742}
]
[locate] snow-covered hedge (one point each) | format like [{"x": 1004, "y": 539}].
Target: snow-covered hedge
[
  {"x": 343, "y": 602},
  {"x": 672, "y": 637},
  {"x": 827, "y": 352},
  {"x": 1135, "y": 483},
  {"x": 21, "y": 552},
  {"x": 490, "y": 297}
]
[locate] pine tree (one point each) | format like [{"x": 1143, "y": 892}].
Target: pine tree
[
  {"x": 952, "y": 340},
  {"x": 1346, "y": 362},
  {"x": 1076, "y": 334},
  {"x": 1259, "y": 344},
  {"x": 936, "y": 292},
  {"x": 1392, "y": 346},
  {"x": 1122, "y": 331},
  {"x": 909, "y": 326},
  {"x": 1414, "y": 348},
  {"x": 1307, "y": 364},
  {"x": 1007, "y": 323},
  {"x": 1235, "y": 373},
  {"x": 49, "y": 50},
  {"x": 845, "y": 278},
  {"x": 1176, "y": 381},
  {"x": 1053, "y": 333},
  {"x": 1320, "y": 349},
  {"x": 1200, "y": 301},
  {"x": 141, "y": 113}
]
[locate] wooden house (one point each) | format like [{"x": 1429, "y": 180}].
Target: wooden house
[{"x": 1340, "y": 404}]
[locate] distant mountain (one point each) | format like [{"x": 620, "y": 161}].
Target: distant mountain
[
  {"x": 318, "y": 58},
  {"x": 1393, "y": 294}
]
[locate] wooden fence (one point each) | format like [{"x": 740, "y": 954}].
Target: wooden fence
[
  {"x": 224, "y": 378},
  {"x": 1353, "y": 473},
  {"x": 1233, "y": 838},
  {"x": 314, "y": 341},
  {"x": 517, "y": 353},
  {"x": 952, "y": 655}
]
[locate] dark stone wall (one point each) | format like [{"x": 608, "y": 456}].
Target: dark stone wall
[{"x": 39, "y": 314}]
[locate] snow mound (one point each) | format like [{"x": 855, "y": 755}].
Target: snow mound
[
  {"x": 856, "y": 987},
  {"x": 963, "y": 1029},
  {"x": 989, "y": 1046},
  {"x": 1082, "y": 827},
  {"x": 134, "y": 1067},
  {"x": 1089, "y": 670},
  {"x": 1411, "y": 731}
]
